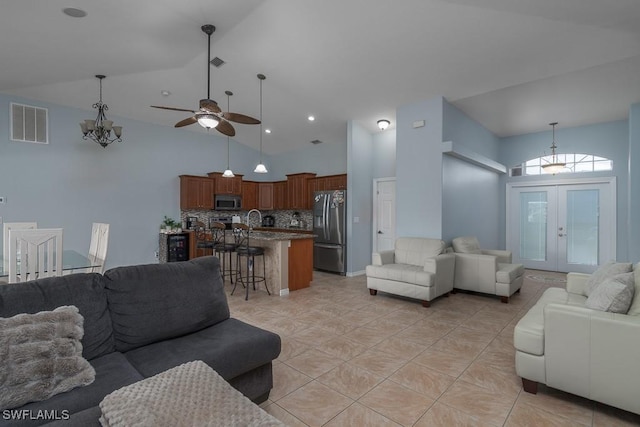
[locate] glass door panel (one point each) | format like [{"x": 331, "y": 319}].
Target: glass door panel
[{"x": 533, "y": 226}]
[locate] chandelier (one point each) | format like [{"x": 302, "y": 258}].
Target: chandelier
[
  {"x": 100, "y": 129},
  {"x": 555, "y": 166}
]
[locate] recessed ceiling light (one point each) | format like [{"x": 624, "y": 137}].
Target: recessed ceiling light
[
  {"x": 267, "y": 131},
  {"x": 74, "y": 13},
  {"x": 311, "y": 118}
]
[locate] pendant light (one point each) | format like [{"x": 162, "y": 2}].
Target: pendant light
[
  {"x": 261, "y": 168},
  {"x": 228, "y": 173},
  {"x": 555, "y": 166}
]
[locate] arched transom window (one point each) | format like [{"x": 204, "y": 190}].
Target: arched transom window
[{"x": 574, "y": 163}]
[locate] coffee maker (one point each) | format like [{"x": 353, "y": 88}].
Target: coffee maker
[{"x": 268, "y": 221}]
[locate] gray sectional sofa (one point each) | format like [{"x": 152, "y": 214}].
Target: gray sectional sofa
[{"x": 142, "y": 320}]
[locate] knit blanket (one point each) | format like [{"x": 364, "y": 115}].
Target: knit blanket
[{"x": 191, "y": 394}]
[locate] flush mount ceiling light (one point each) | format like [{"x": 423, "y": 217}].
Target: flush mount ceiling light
[
  {"x": 99, "y": 130},
  {"x": 228, "y": 173},
  {"x": 311, "y": 118},
  {"x": 383, "y": 124},
  {"x": 554, "y": 166},
  {"x": 261, "y": 168},
  {"x": 74, "y": 13}
]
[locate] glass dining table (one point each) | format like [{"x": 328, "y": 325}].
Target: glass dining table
[{"x": 71, "y": 260}]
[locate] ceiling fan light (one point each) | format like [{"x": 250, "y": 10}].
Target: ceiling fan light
[
  {"x": 208, "y": 121},
  {"x": 228, "y": 173},
  {"x": 261, "y": 168}
]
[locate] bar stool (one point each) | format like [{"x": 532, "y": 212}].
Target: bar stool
[
  {"x": 220, "y": 246},
  {"x": 245, "y": 250},
  {"x": 204, "y": 244}
]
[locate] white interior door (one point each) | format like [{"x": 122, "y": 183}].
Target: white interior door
[
  {"x": 562, "y": 227},
  {"x": 384, "y": 214}
]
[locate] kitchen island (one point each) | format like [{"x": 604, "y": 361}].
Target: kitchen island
[{"x": 288, "y": 259}]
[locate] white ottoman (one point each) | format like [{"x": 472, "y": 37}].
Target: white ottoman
[{"x": 191, "y": 394}]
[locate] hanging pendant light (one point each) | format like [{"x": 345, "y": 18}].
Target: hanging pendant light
[
  {"x": 228, "y": 173},
  {"x": 261, "y": 168},
  {"x": 555, "y": 166}
]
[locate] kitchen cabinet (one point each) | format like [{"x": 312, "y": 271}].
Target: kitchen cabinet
[
  {"x": 335, "y": 182},
  {"x": 227, "y": 185},
  {"x": 280, "y": 195},
  {"x": 265, "y": 196},
  {"x": 298, "y": 196},
  {"x": 249, "y": 195},
  {"x": 196, "y": 192}
]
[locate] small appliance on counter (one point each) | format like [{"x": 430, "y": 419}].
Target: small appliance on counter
[
  {"x": 190, "y": 222},
  {"x": 268, "y": 221},
  {"x": 226, "y": 220}
]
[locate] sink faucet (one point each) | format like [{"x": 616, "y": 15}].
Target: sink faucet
[{"x": 249, "y": 214}]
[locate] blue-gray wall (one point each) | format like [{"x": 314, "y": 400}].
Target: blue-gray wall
[
  {"x": 359, "y": 197},
  {"x": 71, "y": 183},
  {"x": 470, "y": 194},
  {"x": 384, "y": 154},
  {"x": 419, "y": 169},
  {"x": 324, "y": 159},
  {"x": 633, "y": 197}
]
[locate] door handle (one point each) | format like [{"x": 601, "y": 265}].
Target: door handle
[
  {"x": 380, "y": 232},
  {"x": 561, "y": 235}
]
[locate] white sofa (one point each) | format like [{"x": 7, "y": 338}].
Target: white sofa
[
  {"x": 488, "y": 271},
  {"x": 595, "y": 354},
  {"x": 416, "y": 268}
]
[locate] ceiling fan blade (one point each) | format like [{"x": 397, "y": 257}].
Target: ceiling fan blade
[
  {"x": 172, "y": 108},
  {"x": 240, "y": 118},
  {"x": 188, "y": 121},
  {"x": 225, "y": 128},
  {"x": 210, "y": 106}
]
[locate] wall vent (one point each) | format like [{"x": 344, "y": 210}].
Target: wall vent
[
  {"x": 316, "y": 142},
  {"x": 29, "y": 124}
]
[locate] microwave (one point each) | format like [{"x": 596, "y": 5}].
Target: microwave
[{"x": 223, "y": 202}]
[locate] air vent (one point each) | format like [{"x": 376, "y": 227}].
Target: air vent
[
  {"x": 217, "y": 62},
  {"x": 316, "y": 142},
  {"x": 29, "y": 124}
]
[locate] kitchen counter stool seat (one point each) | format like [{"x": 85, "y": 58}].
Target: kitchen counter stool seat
[
  {"x": 247, "y": 274},
  {"x": 223, "y": 249}
]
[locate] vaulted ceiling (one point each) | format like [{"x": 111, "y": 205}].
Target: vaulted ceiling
[{"x": 513, "y": 65}]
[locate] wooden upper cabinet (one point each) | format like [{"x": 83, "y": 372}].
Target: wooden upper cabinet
[
  {"x": 196, "y": 192},
  {"x": 280, "y": 195},
  {"x": 249, "y": 195},
  {"x": 265, "y": 195},
  {"x": 335, "y": 182},
  {"x": 298, "y": 196},
  {"x": 227, "y": 185}
]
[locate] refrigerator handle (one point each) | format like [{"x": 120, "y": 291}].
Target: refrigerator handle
[{"x": 326, "y": 216}]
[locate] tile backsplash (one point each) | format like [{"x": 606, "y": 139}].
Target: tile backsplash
[{"x": 283, "y": 217}]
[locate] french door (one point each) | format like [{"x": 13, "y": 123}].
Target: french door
[{"x": 562, "y": 227}]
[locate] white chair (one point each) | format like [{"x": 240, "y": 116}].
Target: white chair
[
  {"x": 5, "y": 237},
  {"x": 98, "y": 246},
  {"x": 35, "y": 254}
]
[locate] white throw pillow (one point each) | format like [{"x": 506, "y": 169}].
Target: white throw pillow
[
  {"x": 613, "y": 295},
  {"x": 466, "y": 245},
  {"x": 634, "y": 310},
  {"x": 604, "y": 272}
]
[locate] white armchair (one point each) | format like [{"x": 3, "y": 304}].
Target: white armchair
[
  {"x": 416, "y": 268},
  {"x": 488, "y": 271}
]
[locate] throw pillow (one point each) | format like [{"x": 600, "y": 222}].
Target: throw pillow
[
  {"x": 604, "y": 272},
  {"x": 634, "y": 310},
  {"x": 466, "y": 245},
  {"x": 41, "y": 356},
  {"x": 613, "y": 295}
]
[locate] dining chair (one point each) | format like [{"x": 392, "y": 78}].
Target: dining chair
[
  {"x": 98, "y": 246},
  {"x": 5, "y": 237},
  {"x": 34, "y": 254}
]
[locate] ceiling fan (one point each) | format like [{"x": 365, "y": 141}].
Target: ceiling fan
[{"x": 210, "y": 115}]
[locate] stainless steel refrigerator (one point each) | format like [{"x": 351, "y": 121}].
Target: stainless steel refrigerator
[{"x": 330, "y": 228}]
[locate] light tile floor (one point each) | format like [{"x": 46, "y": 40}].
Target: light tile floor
[{"x": 351, "y": 359}]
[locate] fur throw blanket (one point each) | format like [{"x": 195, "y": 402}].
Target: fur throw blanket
[{"x": 41, "y": 356}]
